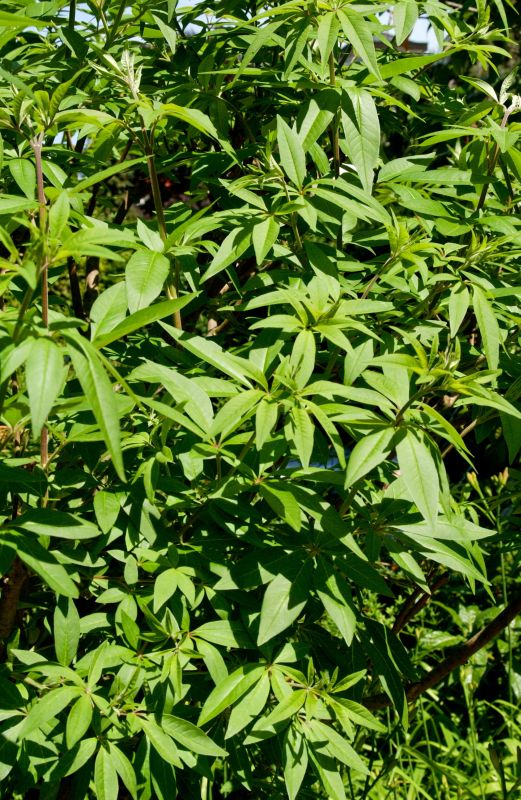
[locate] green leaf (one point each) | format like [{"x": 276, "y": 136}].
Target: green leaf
[
  {"x": 368, "y": 453},
  {"x": 109, "y": 309},
  {"x": 162, "y": 777},
  {"x": 336, "y": 599},
  {"x": 283, "y": 503},
  {"x": 47, "y": 522},
  {"x": 291, "y": 151},
  {"x": 327, "y": 35},
  {"x": 266, "y": 416},
  {"x": 284, "y": 600},
  {"x": 230, "y": 690},
  {"x": 302, "y": 361},
  {"x": 420, "y": 475},
  {"x": 100, "y": 396},
  {"x": 362, "y": 132},
  {"x": 78, "y": 721},
  {"x": 327, "y": 769},
  {"x": 488, "y": 326},
  {"x": 231, "y": 249},
  {"x": 287, "y": 708},
  {"x": 169, "y": 34},
  {"x": 356, "y": 712},
  {"x": 66, "y": 630},
  {"x": 326, "y": 738},
  {"x": 252, "y": 704},
  {"x": 145, "y": 275},
  {"x": 24, "y": 173},
  {"x": 458, "y": 306},
  {"x": 295, "y": 760},
  {"x": 405, "y": 16},
  {"x": 192, "y": 116},
  {"x": 59, "y": 215},
  {"x": 317, "y": 116},
  {"x": 211, "y": 353},
  {"x": 190, "y": 736},
  {"x": 261, "y": 37},
  {"x": 264, "y": 236},
  {"x": 302, "y": 433},
  {"x": 359, "y": 35},
  {"x": 46, "y": 565},
  {"x": 224, "y": 632},
  {"x": 46, "y": 708},
  {"x": 124, "y": 769},
  {"x": 8, "y": 20},
  {"x": 162, "y": 743},
  {"x": 105, "y": 777},
  {"x": 146, "y": 316},
  {"x": 44, "y": 375},
  {"x": 13, "y": 204},
  {"x": 103, "y": 174},
  {"x": 106, "y": 508}
]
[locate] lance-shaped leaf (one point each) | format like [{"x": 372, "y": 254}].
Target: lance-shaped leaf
[
  {"x": 44, "y": 377},
  {"x": 488, "y": 327},
  {"x": 405, "y": 15},
  {"x": 360, "y": 37},
  {"x": 368, "y": 453},
  {"x": 420, "y": 475},
  {"x": 230, "y": 690},
  {"x": 145, "y": 275},
  {"x": 362, "y": 132},
  {"x": 291, "y": 151},
  {"x": 100, "y": 396},
  {"x": 284, "y": 600}
]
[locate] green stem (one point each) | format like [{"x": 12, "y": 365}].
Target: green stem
[
  {"x": 72, "y": 14},
  {"x": 492, "y": 165},
  {"x": 37, "y": 145},
  {"x": 115, "y": 25},
  {"x": 336, "y": 121},
  {"x": 172, "y": 287},
  {"x": 335, "y": 139}
]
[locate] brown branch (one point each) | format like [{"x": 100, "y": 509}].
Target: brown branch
[
  {"x": 458, "y": 657},
  {"x": 415, "y": 602},
  {"x": 12, "y": 585},
  {"x": 74, "y": 284}
]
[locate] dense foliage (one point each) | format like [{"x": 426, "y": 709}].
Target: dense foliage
[{"x": 259, "y": 401}]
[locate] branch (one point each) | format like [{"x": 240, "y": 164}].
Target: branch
[
  {"x": 415, "y": 602},
  {"x": 12, "y": 585},
  {"x": 458, "y": 657}
]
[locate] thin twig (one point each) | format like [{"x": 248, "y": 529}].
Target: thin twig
[{"x": 457, "y": 658}]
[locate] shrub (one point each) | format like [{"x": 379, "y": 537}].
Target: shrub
[{"x": 259, "y": 401}]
